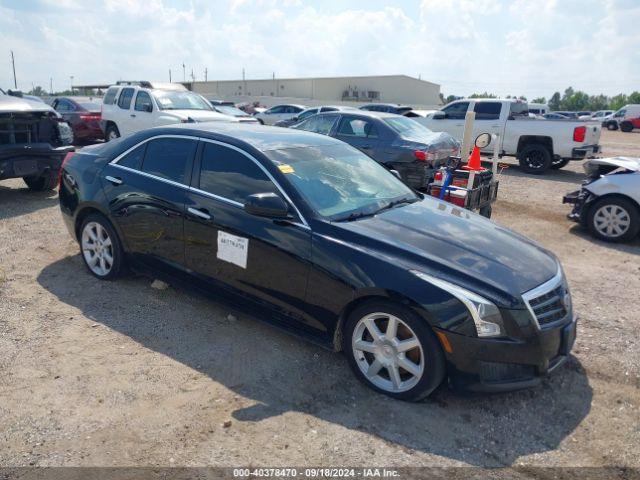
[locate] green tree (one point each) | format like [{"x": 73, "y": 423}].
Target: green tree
[
  {"x": 539, "y": 100},
  {"x": 554, "y": 101},
  {"x": 634, "y": 97},
  {"x": 38, "y": 91},
  {"x": 482, "y": 95},
  {"x": 618, "y": 101},
  {"x": 576, "y": 101}
]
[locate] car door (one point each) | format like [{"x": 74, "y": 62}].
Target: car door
[
  {"x": 487, "y": 120},
  {"x": 146, "y": 188},
  {"x": 273, "y": 115},
  {"x": 144, "y": 114},
  {"x": 453, "y": 121},
  {"x": 261, "y": 258},
  {"x": 124, "y": 117},
  {"x": 359, "y": 132}
]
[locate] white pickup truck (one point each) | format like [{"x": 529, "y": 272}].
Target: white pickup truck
[{"x": 539, "y": 144}]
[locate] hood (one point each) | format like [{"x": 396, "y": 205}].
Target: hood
[
  {"x": 630, "y": 163},
  {"x": 446, "y": 241},
  {"x": 202, "y": 115},
  {"x": 9, "y": 103}
]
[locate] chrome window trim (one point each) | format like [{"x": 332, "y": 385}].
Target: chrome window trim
[
  {"x": 546, "y": 287},
  {"x": 229, "y": 201}
]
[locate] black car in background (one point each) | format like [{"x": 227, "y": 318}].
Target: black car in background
[
  {"x": 308, "y": 233},
  {"x": 396, "y": 142},
  {"x": 83, "y": 114}
]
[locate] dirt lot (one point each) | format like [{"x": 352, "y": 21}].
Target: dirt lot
[{"x": 96, "y": 374}]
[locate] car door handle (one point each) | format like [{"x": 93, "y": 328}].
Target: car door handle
[
  {"x": 114, "y": 180},
  {"x": 133, "y": 114},
  {"x": 201, "y": 213},
  {"x": 366, "y": 147}
]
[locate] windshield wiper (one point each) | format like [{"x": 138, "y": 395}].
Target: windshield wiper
[
  {"x": 395, "y": 203},
  {"x": 355, "y": 216}
]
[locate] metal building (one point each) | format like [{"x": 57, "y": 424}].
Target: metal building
[{"x": 335, "y": 90}]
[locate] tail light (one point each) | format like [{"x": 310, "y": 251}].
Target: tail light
[
  {"x": 87, "y": 117},
  {"x": 579, "y": 134},
  {"x": 423, "y": 156},
  {"x": 64, "y": 162}
]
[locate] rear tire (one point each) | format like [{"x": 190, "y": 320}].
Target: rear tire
[
  {"x": 111, "y": 133},
  {"x": 612, "y": 126},
  {"x": 614, "y": 219},
  {"x": 261, "y": 122},
  {"x": 406, "y": 371},
  {"x": 47, "y": 181},
  {"x": 561, "y": 163},
  {"x": 535, "y": 158},
  {"x": 100, "y": 247},
  {"x": 626, "y": 126}
]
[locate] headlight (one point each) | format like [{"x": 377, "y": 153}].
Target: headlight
[{"x": 485, "y": 314}]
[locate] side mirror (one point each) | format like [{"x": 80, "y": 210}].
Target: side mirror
[
  {"x": 295, "y": 119},
  {"x": 439, "y": 115},
  {"x": 148, "y": 107},
  {"x": 396, "y": 173},
  {"x": 483, "y": 140},
  {"x": 267, "y": 204}
]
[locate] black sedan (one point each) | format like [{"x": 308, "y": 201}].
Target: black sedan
[
  {"x": 310, "y": 234},
  {"x": 83, "y": 114},
  {"x": 397, "y": 142}
]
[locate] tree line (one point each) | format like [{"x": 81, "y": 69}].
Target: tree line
[{"x": 571, "y": 100}]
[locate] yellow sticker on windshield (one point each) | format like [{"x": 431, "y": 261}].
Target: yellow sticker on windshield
[{"x": 286, "y": 168}]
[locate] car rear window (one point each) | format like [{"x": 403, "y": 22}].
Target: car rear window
[
  {"x": 519, "y": 109},
  {"x": 487, "y": 110},
  {"x": 133, "y": 159},
  {"x": 91, "y": 106},
  {"x": 169, "y": 158}
]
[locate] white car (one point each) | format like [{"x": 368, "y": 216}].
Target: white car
[
  {"x": 279, "y": 112},
  {"x": 626, "y": 115},
  {"x": 608, "y": 203},
  {"x": 133, "y": 106},
  {"x": 537, "y": 143},
  {"x": 598, "y": 116}
]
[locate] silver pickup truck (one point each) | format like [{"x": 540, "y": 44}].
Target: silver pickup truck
[
  {"x": 34, "y": 140},
  {"x": 539, "y": 144}
]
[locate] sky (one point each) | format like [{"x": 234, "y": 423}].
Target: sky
[{"x": 518, "y": 47}]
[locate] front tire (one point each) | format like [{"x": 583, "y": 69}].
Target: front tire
[
  {"x": 612, "y": 126},
  {"x": 393, "y": 351},
  {"x": 111, "y": 133},
  {"x": 100, "y": 247},
  {"x": 535, "y": 158},
  {"x": 47, "y": 181},
  {"x": 614, "y": 219}
]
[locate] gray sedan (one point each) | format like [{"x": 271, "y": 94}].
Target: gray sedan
[{"x": 396, "y": 142}]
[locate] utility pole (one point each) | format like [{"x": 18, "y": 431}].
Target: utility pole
[
  {"x": 193, "y": 77},
  {"x": 244, "y": 83},
  {"x": 71, "y": 77},
  {"x": 169, "y": 75},
  {"x": 51, "y": 85},
  {"x": 184, "y": 75},
  {"x": 205, "y": 74},
  {"x": 13, "y": 63}
]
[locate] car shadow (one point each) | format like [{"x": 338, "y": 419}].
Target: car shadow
[
  {"x": 283, "y": 374},
  {"x": 561, "y": 175},
  {"x": 632, "y": 247},
  {"x": 21, "y": 201}
]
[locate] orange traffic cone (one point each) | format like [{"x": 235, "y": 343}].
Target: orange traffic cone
[{"x": 474, "y": 160}]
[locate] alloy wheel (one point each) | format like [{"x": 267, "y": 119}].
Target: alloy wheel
[
  {"x": 97, "y": 248},
  {"x": 611, "y": 221},
  {"x": 388, "y": 352},
  {"x": 535, "y": 160}
]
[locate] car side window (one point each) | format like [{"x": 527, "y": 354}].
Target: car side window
[
  {"x": 110, "y": 96},
  {"x": 487, "y": 110},
  {"x": 64, "y": 106},
  {"x": 457, "y": 111},
  {"x": 143, "y": 102},
  {"x": 169, "y": 158},
  {"x": 133, "y": 159},
  {"x": 126, "y": 95},
  {"x": 356, "y": 127},
  {"x": 325, "y": 123},
  {"x": 328, "y": 109},
  {"x": 276, "y": 109},
  {"x": 620, "y": 113},
  {"x": 307, "y": 114},
  {"x": 230, "y": 174}
]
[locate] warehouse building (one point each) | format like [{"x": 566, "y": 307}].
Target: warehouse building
[{"x": 335, "y": 90}]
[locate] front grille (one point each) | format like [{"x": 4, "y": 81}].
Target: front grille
[
  {"x": 550, "y": 302},
  {"x": 549, "y": 307}
]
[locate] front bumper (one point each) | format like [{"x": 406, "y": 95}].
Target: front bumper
[
  {"x": 496, "y": 365},
  {"x": 586, "y": 151},
  {"x": 578, "y": 199}
]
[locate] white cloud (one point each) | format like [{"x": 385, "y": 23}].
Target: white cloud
[{"x": 521, "y": 47}]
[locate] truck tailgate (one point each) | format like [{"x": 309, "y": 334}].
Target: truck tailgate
[{"x": 592, "y": 136}]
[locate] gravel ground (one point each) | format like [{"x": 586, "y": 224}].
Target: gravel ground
[{"x": 100, "y": 374}]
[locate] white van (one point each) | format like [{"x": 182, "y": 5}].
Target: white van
[
  {"x": 129, "y": 107},
  {"x": 539, "y": 108},
  {"x": 629, "y": 114}
]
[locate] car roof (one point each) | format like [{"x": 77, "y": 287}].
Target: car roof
[
  {"x": 260, "y": 137},
  {"x": 304, "y": 107},
  {"x": 364, "y": 113}
]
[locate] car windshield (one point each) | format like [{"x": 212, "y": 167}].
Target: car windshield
[
  {"x": 407, "y": 128},
  {"x": 177, "y": 100},
  {"x": 339, "y": 182},
  {"x": 91, "y": 106},
  {"x": 228, "y": 110}
]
